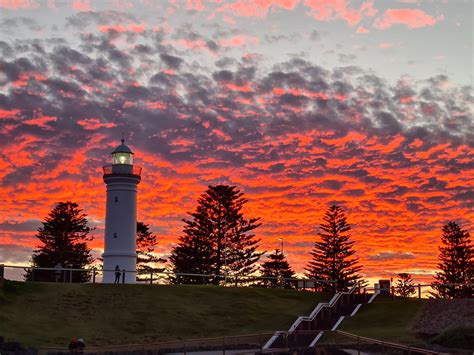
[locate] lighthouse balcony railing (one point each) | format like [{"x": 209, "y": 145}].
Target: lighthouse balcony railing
[{"x": 122, "y": 169}]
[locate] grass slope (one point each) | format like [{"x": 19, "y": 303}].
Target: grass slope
[
  {"x": 385, "y": 319},
  {"x": 49, "y": 314}
]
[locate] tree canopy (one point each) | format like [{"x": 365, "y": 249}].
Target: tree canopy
[
  {"x": 217, "y": 239},
  {"x": 332, "y": 258},
  {"x": 276, "y": 268},
  {"x": 456, "y": 256},
  {"x": 63, "y": 242},
  {"x": 146, "y": 258}
]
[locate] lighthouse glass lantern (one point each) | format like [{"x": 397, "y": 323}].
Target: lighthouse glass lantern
[{"x": 122, "y": 155}]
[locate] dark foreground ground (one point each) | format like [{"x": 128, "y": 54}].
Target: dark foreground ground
[{"x": 49, "y": 314}]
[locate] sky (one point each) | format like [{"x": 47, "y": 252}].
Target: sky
[{"x": 299, "y": 103}]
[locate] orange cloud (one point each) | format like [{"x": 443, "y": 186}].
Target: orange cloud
[{"x": 92, "y": 124}]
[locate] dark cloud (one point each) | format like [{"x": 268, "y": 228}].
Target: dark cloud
[
  {"x": 26, "y": 226},
  {"x": 391, "y": 255},
  {"x": 11, "y": 253},
  {"x": 171, "y": 61}
]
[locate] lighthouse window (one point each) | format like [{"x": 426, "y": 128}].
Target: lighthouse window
[
  {"x": 122, "y": 158},
  {"x": 115, "y": 235},
  {"x": 116, "y": 199}
]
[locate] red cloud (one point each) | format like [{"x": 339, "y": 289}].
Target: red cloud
[
  {"x": 92, "y": 124},
  {"x": 412, "y": 18},
  {"x": 8, "y": 114}
]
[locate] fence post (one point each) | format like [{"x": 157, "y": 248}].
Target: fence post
[
  {"x": 223, "y": 345},
  {"x": 70, "y": 274},
  {"x": 2, "y": 275},
  {"x": 393, "y": 293},
  {"x": 93, "y": 275},
  {"x": 151, "y": 277},
  {"x": 419, "y": 290},
  {"x": 123, "y": 276},
  {"x": 358, "y": 345},
  {"x": 184, "y": 347}
]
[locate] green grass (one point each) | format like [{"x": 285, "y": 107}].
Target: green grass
[
  {"x": 385, "y": 319},
  {"x": 49, "y": 314}
]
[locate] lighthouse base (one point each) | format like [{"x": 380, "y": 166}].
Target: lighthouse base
[{"x": 127, "y": 262}]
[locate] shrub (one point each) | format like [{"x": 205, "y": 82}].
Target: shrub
[{"x": 456, "y": 337}]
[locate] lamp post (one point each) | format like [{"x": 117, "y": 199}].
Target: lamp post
[
  {"x": 225, "y": 252},
  {"x": 281, "y": 242}
]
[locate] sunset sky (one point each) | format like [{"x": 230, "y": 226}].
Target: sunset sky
[{"x": 300, "y": 103}]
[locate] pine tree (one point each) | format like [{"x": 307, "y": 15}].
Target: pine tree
[
  {"x": 217, "y": 239},
  {"x": 333, "y": 255},
  {"x": 456, "y": 256},
  {"x": 405, "y": 286},
  {"x": 63, "y": 236},
  {"x": 146, "y": 243},
  {"x": 276, "y": 268}
]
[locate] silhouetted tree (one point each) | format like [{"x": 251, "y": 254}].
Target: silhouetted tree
[
  {"x": 332, "y": 257},
  {"x": 277, "y": 269},
  {"x": 405, "y": 286},
  {"x": 456, "y": 256},
  {"x": 146, "y": 243},
  {"x": 63, "y": 236},
  {"x": 218, "y": 239}
]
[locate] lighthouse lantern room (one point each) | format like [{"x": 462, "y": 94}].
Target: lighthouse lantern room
[{"x": 121, "y": 179}]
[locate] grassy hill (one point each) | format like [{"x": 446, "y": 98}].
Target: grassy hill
[
  {"x": 412, "y": 321},
  {"x": 386, "y": 319},
  {"x": 49, "y": 314}
]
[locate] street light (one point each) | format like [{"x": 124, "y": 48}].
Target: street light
[{"x": 225, "y": 252}]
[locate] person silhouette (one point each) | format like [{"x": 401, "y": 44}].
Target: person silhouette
[
  {"x": 117, "y": 274},
  {"x": 57, "y": 272}
]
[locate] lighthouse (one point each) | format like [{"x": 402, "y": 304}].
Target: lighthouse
[{"x": 121, "y": 179}]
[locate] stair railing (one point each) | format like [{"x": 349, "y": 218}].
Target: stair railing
[{"x": 312, "y": 315}]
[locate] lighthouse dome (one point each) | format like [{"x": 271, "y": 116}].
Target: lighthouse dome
[{"x": 122, "y": 148}]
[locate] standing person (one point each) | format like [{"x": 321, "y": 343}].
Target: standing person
[
  {"x": 57, "y": 272},
  {"x": 117, "y": 274}
]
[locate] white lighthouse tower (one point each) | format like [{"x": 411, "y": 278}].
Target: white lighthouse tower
[{"x": 121, "y": 178}]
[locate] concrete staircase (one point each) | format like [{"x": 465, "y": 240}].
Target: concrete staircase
[{"x": 306, "y": 330}]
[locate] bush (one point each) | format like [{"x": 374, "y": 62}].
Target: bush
[{"x": 456, "y": 337}]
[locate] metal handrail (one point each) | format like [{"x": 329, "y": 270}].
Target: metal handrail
[
  {"x": 222, "y": 339},
  {"x": 382, "y": 342},
  {"x": 320, "y": 306}
]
